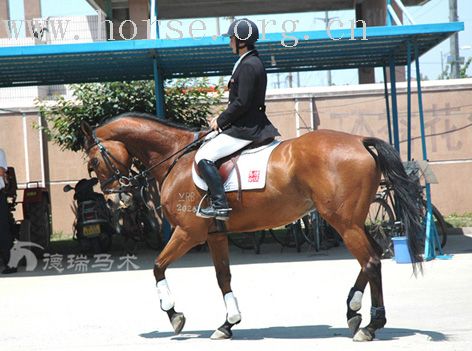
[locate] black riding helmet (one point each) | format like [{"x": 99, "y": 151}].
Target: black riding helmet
[{"x": 244, "y": 30}]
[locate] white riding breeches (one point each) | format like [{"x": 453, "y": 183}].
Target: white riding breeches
[{"x": 220, "y": 146}]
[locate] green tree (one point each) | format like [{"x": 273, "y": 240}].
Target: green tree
[
  {"x": 465, "y": 67},
  {"x": 188, "y": 101},
  {"x": 446, "y": 74}
]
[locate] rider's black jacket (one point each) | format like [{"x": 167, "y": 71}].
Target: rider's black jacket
[{"x": 245, "y": 117}]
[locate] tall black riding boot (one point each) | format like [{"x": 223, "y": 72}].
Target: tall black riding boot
[{"x": 219, "y": 207}]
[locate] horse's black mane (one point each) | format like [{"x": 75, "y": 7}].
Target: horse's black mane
[{"x": 148, "y": 117}]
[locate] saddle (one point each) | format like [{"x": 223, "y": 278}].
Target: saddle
[{"x": 226, "y": 164}]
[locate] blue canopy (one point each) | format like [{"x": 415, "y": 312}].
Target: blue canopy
[{"x": 187, "y": 57}]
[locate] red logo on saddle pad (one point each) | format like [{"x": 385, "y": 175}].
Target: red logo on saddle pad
[{"x": 253, "y": 176}]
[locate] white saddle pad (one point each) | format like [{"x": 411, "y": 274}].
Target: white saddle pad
[{"x": 252, "y": 166}]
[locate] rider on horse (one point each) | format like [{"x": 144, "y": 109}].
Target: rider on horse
[{"x": 243, "y": 122}]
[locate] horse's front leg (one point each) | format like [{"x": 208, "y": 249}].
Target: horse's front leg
[
  {"x": 218, "y": 245},
  {"x": 179, "y": 244}
]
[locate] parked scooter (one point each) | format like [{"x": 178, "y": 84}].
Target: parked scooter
[
  {"x": 93, "y": 227},
  {"x": 138, "y": 220}
]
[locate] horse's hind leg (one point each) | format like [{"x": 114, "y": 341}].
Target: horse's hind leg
[
  {"x": 377, "y": 310},
  {"x": 358, "y": 243},
  {"x": 179, "y": 244},
  {"x": 354, "y": 299},
  {"x": 218, "y": 245}
]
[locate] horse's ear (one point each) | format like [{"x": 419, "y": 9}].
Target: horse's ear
[
  {"x": 86, "y": 129},
  {"x": 88, "y": 134}
]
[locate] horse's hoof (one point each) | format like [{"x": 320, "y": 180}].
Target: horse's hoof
[
  {"x": 354, "y": 324},
  {"x": 224, "y": 332},
  {"x": 178, "y": 322},
  {"x": 364, "y": 334},
  {"x": 221, "y": 334}
]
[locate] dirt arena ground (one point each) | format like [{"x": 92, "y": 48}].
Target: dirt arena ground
[{"x": 289, "y": 301}]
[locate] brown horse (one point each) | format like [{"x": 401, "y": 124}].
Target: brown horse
[{"x": 334, "y": 172}]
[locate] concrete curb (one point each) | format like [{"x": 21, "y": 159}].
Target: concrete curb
[{"x": 459, "y": 231}]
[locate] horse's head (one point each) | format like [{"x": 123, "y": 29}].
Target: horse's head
[
  {"x": 15, "y": 255},
  {"x": 110, "y": 161},
  {"x": 20, "y": 250}
]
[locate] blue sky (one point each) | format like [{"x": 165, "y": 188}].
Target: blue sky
[{"x": 435, "y": 11}]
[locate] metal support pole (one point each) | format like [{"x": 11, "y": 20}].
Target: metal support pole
[
  {"x": 326, "y": 20},
  {"x": 158, "y": 80},
  {"x": 431, "y": 233},
  {"x": 153, "y": 19},
  {"x": 26, "y": 146},
  {"x": 454, "y": 41},
  {"x": 408, "y": 96},
  {"x": 394, "y": 15},
  {"x": 156, "y": 12},
  {"x": 387, "y": 106},
  {"x": 388, "y": 19},
  {"x": 159, "y": 90},
  {"x": 393, "y": 85},
  {"x": 101, "y": 16},
  {"x": 404, "y": 11},
  {"x": 109, "y": 9},
  {"x": 160, "y": 104},
  {"x": 420, "y": 103},
  {"x": 41, "y": 151},
  {"x": 160, "y": 112},
  {"x": 312, "y": 113}
]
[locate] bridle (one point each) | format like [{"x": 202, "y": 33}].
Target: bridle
[
  {"x": 134, "y": 179},
  {"x": 110, "y": 162}
]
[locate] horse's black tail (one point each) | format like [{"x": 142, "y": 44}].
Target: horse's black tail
[{"x": 406, "y": 194}]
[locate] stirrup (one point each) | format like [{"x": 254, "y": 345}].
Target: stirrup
[
  {"x": 198, "y": 212},
  {"x": 202, "y": 215},
  {"x": 221, "y": 214}
]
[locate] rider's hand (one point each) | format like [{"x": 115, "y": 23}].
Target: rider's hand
[{"x": 213, "y": 124}]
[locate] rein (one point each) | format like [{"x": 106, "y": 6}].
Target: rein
[{"x": 129, "y": 181}]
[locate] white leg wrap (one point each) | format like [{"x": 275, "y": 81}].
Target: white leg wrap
[
  {"x": 356, "y": 302},
  {"x": 167, "y": 301},
  {"x": 232, "y": 310}
]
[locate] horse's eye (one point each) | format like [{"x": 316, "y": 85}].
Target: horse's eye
[
  {"x": 92, "y": 166},
  {"x": 94, "y": 162}
]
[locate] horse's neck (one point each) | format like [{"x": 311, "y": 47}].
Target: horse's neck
[
  {"x": 156, "y": 144},
  {"x": 181, "y": 171},
  {"x": 31, "y": 260}
]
